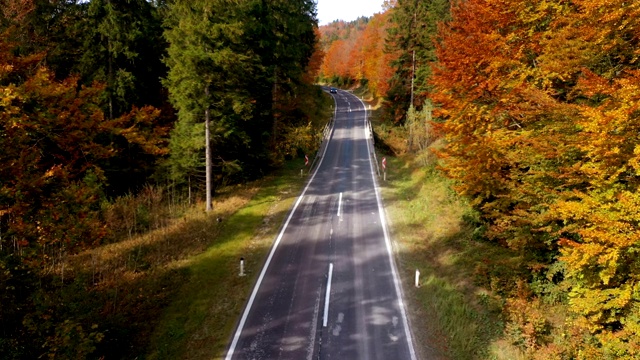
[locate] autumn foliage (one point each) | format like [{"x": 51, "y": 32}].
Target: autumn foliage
[
  {"x": 55, "y": 141},
  {"x": 102, "y": 111},
  {"x": 357, "y": 52},
  {"x": 540, "y": 102},
  {"x": 55, "y": 138}
]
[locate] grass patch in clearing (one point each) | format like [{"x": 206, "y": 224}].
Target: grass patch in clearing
[{"x": 200, "y": 320}]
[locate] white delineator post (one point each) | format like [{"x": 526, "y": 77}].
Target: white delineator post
[
  {"x": 241, "y": 266},
  {"x": 417, "y": 278}
]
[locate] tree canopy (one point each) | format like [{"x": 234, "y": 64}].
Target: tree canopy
[{"x": 539, "y": 108}]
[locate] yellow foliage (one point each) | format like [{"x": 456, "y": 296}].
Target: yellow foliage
[{"x": 542, "y": 124}]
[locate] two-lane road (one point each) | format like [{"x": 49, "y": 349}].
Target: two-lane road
[{"x": 329, "y": 288}]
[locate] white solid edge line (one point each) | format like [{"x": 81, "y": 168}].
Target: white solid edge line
[
  {"x": 387, "y": 241},
  {"x": 325, "y": 319},
  {"x": 340, "y": 205},
  {"x": 254, "y": 293}
]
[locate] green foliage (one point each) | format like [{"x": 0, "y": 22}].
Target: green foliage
[
  {"x": 122, "y": 47},
  {"x": 411, "y": 36},
  {"x": 209, "y": 68},
  {"x": 421, "y": 133},
  {"x": 244, "y": 61}
]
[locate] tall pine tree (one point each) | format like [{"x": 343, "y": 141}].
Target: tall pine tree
[
  {"x": 411, "y": 36},
  {"x": 241, "y": 63},
  {"x": 284, "y": 38},
  {"x": 209, "y": 70}
]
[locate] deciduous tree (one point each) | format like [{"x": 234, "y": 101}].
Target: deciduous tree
[
  {"x": 55, "y": 137},
  {"x": 539, "y": 102}
]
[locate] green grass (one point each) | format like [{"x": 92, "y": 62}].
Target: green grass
[
  {"x": 200, "y": 320},
  {"x": 457, "y": 310}
]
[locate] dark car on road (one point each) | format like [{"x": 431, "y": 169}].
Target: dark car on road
[{"x": 333, "y": 90}]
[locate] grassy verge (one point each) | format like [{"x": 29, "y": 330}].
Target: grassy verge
[
  {"x": 174, "y": 292},
  {"x": 456, "y": 311},
  {"x": 197, "y": 324}
]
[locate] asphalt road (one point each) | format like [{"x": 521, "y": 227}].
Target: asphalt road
[{"x": 329, "y": 289}]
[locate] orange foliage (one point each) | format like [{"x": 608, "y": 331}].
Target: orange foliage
[
  {"x": 541, "y": 102},
  {"x": 336, "y": 59},
  {"x": 17, "y": 9},
  {"x": 361, "y": 55},
  {"x": 377, "y": 62},
  {"x": 54, "y": 138},
  {"x": 315, "y": 62}
]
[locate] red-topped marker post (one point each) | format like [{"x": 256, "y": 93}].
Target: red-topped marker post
[
  {"x": 384, "y": 168},
  {"x": 306, "y": 163}
]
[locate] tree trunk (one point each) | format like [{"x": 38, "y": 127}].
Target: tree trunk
[
  {"x": 207, "y": 153},
  {"x": 413, "y": 75},
  {"x": 274, "y": 108},
  {"x": 110, "y": 75}
]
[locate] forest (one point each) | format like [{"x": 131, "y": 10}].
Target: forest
[
  {"x": 532, "y": 109},
  {"x": 102, "y": 121}
]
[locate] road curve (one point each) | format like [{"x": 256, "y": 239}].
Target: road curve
[{"x": 329, "y": 288}]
